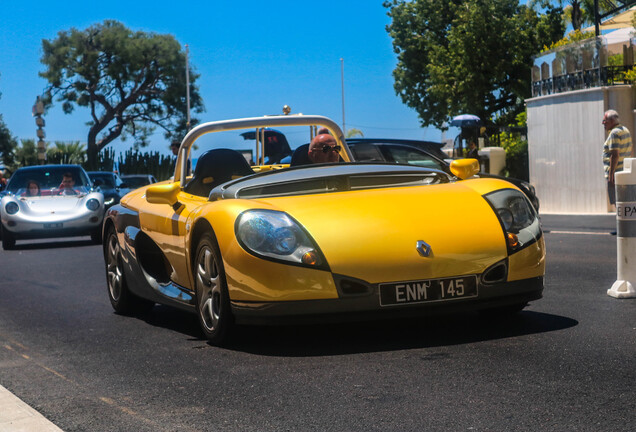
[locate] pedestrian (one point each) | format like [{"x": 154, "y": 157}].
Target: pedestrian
[
  {"x": 473, "y": 152},
  {"x": 617, "y": 147}
]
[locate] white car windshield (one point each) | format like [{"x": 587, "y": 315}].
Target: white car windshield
[
  {"x": 35, "y": 193},
  {"x": 48, "y": 179}
]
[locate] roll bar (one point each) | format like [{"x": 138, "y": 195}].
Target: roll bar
[{"x": 255, "y": 122}]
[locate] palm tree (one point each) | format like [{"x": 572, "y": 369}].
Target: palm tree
[
  {"x": 579, "y": 12},
  {"x": 353, "y": 132},
  {"x": 25, "y": 154},
  {"x": 72, "y": 152}
]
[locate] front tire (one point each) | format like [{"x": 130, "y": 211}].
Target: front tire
[
  {"x": 212, "y": 298},
  {"x": 8, "y": 240},
  {"x": 123, "y": 301}
]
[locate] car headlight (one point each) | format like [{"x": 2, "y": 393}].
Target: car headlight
[
  {"x": 92, "y": 204},
  {"x": 517, "y": 216},
  {"x": 12, "y": 207},
  {"x": 109, "y": 201},
  {"x": 275, "y": 235}
]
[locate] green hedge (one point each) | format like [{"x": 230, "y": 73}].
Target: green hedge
[{"x": 134, "y": 162}]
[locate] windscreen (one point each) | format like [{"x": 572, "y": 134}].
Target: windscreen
[
  {"x": 107, "y": 180},
  {"x": 49, "y": 179},
  {"x": 136, "y": 182}
]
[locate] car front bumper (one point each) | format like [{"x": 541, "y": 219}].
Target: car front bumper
[
  {"x": 355, "y": 308},
  {"x": 61, "y": 226}
]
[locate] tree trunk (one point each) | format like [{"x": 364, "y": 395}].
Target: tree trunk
[{"x": 92, "y": 150}]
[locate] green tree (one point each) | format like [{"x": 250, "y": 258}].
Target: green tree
[
  {"x": 131, "y": 82},
  {"x": 458, "y": 56},
  {"x": 8, "y": 143},
  {"x": 579, "y": 12},
  {"x": 25, "y": 154},
  {"x": 66, "y": 153},
  {"x": 516, "y": 147},
  {"x": 353, "y": 132}
]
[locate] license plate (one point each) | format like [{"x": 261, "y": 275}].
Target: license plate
[
  {"x": 52, "y": 225},
  {"x": 424, "y": 291}
]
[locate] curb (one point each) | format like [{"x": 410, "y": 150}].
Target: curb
[{"x": 17, "y": 416}]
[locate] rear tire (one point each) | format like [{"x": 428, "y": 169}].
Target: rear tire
[
  {"x": 123, "y": 301},
  {"x": 8, "y": 240},
  {"x": 212, "y": 298}
]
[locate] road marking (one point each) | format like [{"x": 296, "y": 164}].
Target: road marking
[{"x": 577, "y": 232}]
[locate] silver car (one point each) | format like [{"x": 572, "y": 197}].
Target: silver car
[{"x": 50, "y": 201}]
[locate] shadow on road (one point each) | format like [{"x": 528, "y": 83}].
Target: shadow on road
[
  {"x": 352, "y": 338},
  {"x": 374, "y": 336},
  {"x": 53, "y": 244}
]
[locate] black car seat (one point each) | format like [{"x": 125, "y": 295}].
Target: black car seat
[
  {"x": 215, "y": 167},
  {"x": 300, "y": 156}
]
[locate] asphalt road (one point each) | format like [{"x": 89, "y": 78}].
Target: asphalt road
[{"x": 566, "y": 363}]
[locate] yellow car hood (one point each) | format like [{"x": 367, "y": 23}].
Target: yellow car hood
[{"x": 372, "y": 234}]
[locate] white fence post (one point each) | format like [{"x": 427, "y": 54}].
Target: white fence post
[{"x": 625, "y": 182}]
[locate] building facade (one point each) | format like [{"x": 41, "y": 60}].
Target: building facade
[{"x": 565, "y": 144}]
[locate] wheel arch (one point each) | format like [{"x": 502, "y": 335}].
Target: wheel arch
[
  {"x": 201, "y": 226},
  {"x": 108, "y": 225}
]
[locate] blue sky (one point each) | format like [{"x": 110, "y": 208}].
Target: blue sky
[{"x": 253, "y": 57}]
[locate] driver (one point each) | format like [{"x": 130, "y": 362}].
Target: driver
[
  {"x": 323, "y": 149},
  {"x": 66, "y": 187}
]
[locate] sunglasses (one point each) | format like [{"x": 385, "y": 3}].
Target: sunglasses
[{"x": 328, "y": 148}]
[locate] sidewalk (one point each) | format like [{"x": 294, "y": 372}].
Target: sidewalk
[
  {"x": 603, "y": 223},
  {"x": 16, "y": 416}
]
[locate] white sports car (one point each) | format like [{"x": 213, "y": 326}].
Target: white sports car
[{"x": 50, "y": 201}]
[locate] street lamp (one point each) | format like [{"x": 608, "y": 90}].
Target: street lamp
[{"x": 37, "y": 111}]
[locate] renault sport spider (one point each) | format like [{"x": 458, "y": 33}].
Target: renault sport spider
[{"x": 235, "y": 243}]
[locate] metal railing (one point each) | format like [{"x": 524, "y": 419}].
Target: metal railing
[{"x": 585, "y": 64}]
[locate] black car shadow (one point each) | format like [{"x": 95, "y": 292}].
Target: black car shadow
[
  {"x": 173, "y": 319},
  {"x": 54, "y": 244},
  {"x": 364, "y": 337},
  {"x": 376, "y": 336}
]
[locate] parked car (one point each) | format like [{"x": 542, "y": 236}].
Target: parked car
[
  {"x": 50, "y": 201},
  {"x": 134, "y": 181},
  {"x": 420, "y": 153},
  {"x": 111, "y": 185},
  {"x": 317, "y": 242}
]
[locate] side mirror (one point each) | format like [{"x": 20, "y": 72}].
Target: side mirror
[
  {"x": 123, "y": 186},
  {"x": 163, "y": 194},
  {"x": 464, "y": 168}
]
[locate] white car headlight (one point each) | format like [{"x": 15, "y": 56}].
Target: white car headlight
[
  {"x": 517, "y": 216},
  {"x": 11, "y": 207},
  {"x": 92, "y": 204},
  {"x": 275, "y": 235}
]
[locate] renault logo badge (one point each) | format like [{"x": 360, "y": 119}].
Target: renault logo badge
[{"x": 423, "y": 248}]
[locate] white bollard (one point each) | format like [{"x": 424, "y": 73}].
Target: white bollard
[{"x": 625, "y": 183}]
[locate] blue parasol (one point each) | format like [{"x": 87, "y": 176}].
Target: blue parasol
[{"x": 465, "y": 120}]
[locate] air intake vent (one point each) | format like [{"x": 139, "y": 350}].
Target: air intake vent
[
  {"x": 496, "y": 273},
  {"x": 352, "y": 287}
]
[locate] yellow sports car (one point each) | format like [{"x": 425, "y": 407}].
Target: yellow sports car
[{"x": 235, "y": 243}]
